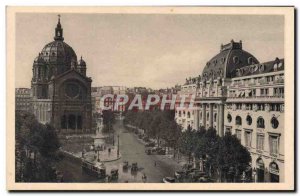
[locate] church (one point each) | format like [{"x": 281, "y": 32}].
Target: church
[{"x": 60, "y": 89}]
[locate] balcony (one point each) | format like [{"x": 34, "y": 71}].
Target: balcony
[
  {"x": 265, "y": 99},
  {"x": 279, "y": 81}
]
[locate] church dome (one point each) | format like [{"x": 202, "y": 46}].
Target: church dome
[
  {"x": 57, "y": 55},
  {"x": 230, "y": 58},
  {"x": 58, "y": 52}
]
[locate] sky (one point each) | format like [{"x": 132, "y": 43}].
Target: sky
[{"x": 150, "y": 50}]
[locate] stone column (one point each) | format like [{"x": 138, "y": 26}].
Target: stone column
[
  {"x": 76, "y": 122},
  {"x": 204, "y": 115},
  {"x": 196, "y": 118},
  {"x": 221, "y": 120},
  {"x": 211, "y": 115}
]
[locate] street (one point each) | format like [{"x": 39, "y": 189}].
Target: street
[{"x": 131, "y": 150}]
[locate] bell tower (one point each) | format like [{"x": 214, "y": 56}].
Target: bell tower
[{"x": 58, "y": 31}]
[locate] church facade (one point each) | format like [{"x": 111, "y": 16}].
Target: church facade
[
  {"x": 60, "y": 89},
  {"x": 236, "y": 93}
]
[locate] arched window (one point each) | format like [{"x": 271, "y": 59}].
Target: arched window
[
  {"x": 260, "y": 122},
  {"x": 183, "y": 113},
  {"x": 260, "y": 166},
  {"x": 274, "y": 122},
  {"x": 189, "y": 115},
  {"x": 229, "y": 118},
  {"x": 179, "y": 113},
  {"x": 249, "y": 120},
  {"x": 250, "y": 60},
  {"x": 238, "y": 120},
  {"x": 235, "y": 59},
  {"x": 274, "y": 172}
]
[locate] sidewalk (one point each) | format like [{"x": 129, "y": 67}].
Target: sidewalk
[{"x": 104, "y": 156}]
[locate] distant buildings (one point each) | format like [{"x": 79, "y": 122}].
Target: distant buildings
[
  {"x": 238, "y": 94},
  {"x": 99, "y": 103},
  {"x": 23, "y": 99}
]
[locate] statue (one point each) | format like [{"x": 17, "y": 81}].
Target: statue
[{"x": 201, "y": 166}]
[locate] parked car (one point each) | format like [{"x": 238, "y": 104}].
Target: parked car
[
  {"x": 125, "y": 165},
  {"x": 114, "y": 173},
  {"x": 168, "y": 180},
  {"x": 150, "y": 144},
  {"x": 134, "y": 167},
  {"x": 161, "y": 151},
  {"x": 180, "y": 174},
  {"x": 146, "y": 139}
]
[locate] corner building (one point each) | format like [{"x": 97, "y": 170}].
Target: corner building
[
  {"x": 238, "y": 94},
  {"x": 61, "y": 91}
]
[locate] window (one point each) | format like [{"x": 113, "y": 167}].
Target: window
[
  {"x": 238, "y": 134},
  {"x": 274, "y": 122},
  {"x": 238, "y": 120},
  {"x": 179, "y": 113},
  {"x": 260, "y": 122},
  {"x": 281, "y": 91},
  {"x": 228, "y": 130},
  {"x": 215, "y": 117},
  {"x": 260, "y": 142},
  {"x": 249, "y": 120},
  {"x": 261, "y": 107},
  {"x": 274, "y": 143},
  {"x": 275, "y": 91},
  {"x": 189, "y": 115},
  {"x": 248, "y": 138},
  {"x": 262, "y": 91},
  {"x": 229, "y": 118}
]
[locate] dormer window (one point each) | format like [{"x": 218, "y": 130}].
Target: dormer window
[
  {"x": 250, "y": 60},
  {"x": 235, "y": 60}
]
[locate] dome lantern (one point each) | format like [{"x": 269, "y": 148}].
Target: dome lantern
[{"x": 58, "y": 31}]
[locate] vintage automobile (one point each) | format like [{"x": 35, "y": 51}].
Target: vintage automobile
[
  {"x": 148, "y": 151},
  {"x": 134, "y": 167},
  {"x": 59, "y": 176},
  {"x": 114, "y": 173},
  {"x": 98, "y": 169},
  {"x": 146, "y": 139},
  {"x": 150, "y": 144},
  {"x": 169, "y": 180},
  {"x": 125, "y": 165},
  {"x": 161, "y": 151},
  {"x": 140, "y": 136},
  {"x": 180, "y": 174}
]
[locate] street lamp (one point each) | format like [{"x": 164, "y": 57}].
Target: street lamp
[
  {"x": 98, "y": 156},
  {"x": 254, "y": 174},
  {"x": 118, "y": 152}
]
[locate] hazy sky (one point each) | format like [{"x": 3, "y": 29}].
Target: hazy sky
[{"x": 149, "y": 50}]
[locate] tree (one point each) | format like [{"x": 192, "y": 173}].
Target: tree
[
  {"x": 233, "y": 158},
  {"x": 188, "y": 143},
  {"x": 36, "y": 146},
  {"x": 108, "y": 120}
]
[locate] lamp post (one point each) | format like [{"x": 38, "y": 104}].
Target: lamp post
[
  {"x": 118, "y": 152},
  {"x": 254, "y": 174},
  {"x": 98, "y": 155}
]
